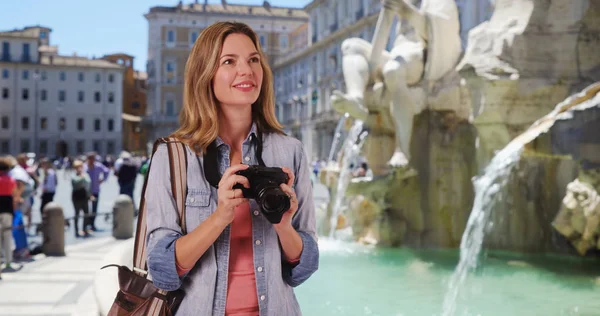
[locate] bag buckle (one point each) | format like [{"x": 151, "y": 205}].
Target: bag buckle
[{"x": 138, "y": 270}]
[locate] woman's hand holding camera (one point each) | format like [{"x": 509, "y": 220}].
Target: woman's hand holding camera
[
  {"x": 229, "y": 198},
  {"x": 286, "y": 220}
]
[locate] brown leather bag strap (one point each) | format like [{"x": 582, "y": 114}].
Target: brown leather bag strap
[{"x": 178, "y": 170}]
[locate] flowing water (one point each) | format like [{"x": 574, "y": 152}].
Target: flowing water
[
  {"x": 351, "y": 150},
  {"x": 488, "y": 190},
  {"x": 337, "y": 135}
]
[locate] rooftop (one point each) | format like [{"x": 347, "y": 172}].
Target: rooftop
[
  {"x": 26, "y": 32},
  {"x": 238, "y": 9},
  {"x": 77, "y": 61}
]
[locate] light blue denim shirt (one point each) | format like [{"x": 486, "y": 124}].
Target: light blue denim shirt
[{"x": 205, "y": 285}]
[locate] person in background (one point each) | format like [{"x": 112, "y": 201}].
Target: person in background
[
  {"x": 26, "y": 187},
  {"x": 49, "y": 183},
  {"x": 10, "y": 196},
  {"x": 98, "y": 174},
  {"x": 126, "y": 171},
  {"x": 29, "y": 199},
  {"x": 81, "y": 196}
]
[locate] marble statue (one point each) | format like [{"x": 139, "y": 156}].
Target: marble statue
[
  {"x": 579, "y": 216},
  {"x": 379, "y": 82}
]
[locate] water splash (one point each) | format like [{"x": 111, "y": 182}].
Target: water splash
[
  {"x": 351, "y": 150},
  {"x": 488, "y": 190},
  {"x": 336, "y": 138}
]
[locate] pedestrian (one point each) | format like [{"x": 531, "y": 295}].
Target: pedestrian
[
  {"x": 26, "y": 187},
  {"x": 81, "y": 196},
  {"x": 10, "y": 195},
  {"x": 233, "y": 260},
  {"x": 126, "y": 171},
  {"x": 98, "y": 174},
  {"x": 49, "y": 183}
]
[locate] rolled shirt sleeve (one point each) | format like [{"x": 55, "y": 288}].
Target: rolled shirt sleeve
[
  {"x": 162, "y": 220},
  {"x": 305, "y": 224}
]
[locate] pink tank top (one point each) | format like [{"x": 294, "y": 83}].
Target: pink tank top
[{"x": 242, "y": 299}]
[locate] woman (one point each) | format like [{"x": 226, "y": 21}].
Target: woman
[
  {"x": 81, "y": 196},
  {"x": 10, "y": 196},
  {"x": 49, "y": 184},
  {"x": 232, "y": 261}
]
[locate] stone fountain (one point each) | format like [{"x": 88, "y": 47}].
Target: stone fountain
[{"x": 437, "y": 115}]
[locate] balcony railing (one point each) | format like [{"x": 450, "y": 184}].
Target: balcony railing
[
  {"x": 5, "y": 57},
  {"x": 26, "y": 58}
]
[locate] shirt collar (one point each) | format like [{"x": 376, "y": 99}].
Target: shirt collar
[{"x": 251, "y": 136}]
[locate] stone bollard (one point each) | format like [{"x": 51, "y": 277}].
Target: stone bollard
[
  {"x": 53, "y": 230},
  {"x": 123, "y": 217}
]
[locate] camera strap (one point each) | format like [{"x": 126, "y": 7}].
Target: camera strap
[{"x": 211, "y": 161}]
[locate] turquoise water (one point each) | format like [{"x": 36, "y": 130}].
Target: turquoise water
[{"x": 359, "y": 280}]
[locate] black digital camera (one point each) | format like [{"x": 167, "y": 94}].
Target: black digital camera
[{"x": 265, "y": 190}]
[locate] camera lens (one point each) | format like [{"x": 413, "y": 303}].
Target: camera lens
[{"x": 273, "y": 200}]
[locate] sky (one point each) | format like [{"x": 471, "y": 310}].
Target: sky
[{"x": 96, "y": 28}]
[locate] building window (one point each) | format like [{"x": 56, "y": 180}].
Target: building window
[
  {"x": 43, "y": 123},
  {"x": 62, "y": 95},
  {"x": 5, "y": 121},
  {"x": 26, "y": 55},
  {"x": 25, "y": 94},
  {"x": 5, "y": 73},
  {"x": 110, "y": 147},
  {"x": 43, "y": 34},
  {"x": 135, "y": 105},
  {"x": 5, "y": 51},
  {"x": 24, "y": 145},
  {"x": 170, "y": 70},
  {"x": 111, "y": 125},
  {"x": 62, "y": 76},
  {"x": 283, "y": 41},
  {"x": 97, "y": 125},
  {"x": 5, "y": 93},
  {"x": 111, "y": 97},
  {"x": 4, "y": 146},
  {"x": 263, "y": 40},
  {"x": 44, "y": 75},
  {"x": 43, "y": 95},
  {"x": 98, "y": 78},
  {"x": 97, "y": 146},
  {"x": 111, "y": 78},
  {"x": 80, "y": 146},
  {"x": 170, "y": 36},
  {"x": 25, "y": 74},
  {"x": 80, "y": 124},
  {"x": 43, "y": 147},
  {"x": 193, "y": 37},
  {"x": 170, "y": 108},
  {"x": 62, "y": 124},
  {"x": 81, "y": 77},
  {"x": 80, "y": 96},
  {"x": 97, "y": 96}
]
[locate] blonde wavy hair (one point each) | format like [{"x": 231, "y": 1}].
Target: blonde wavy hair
[{"x": 198, "y": 120}]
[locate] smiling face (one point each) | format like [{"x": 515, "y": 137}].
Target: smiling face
[{"x": 239, "y": 75}]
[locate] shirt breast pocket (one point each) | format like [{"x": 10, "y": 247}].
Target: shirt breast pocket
[{"x": 197, "y": 207}]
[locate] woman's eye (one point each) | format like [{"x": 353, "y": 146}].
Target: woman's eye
[
  {"x": 228, "y": 62},
  {"x": 254, "y": 60}
]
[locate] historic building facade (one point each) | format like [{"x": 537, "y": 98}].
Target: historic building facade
[
  {"x": 134, "y": 104},
  {"x": 56, "y": 105}
]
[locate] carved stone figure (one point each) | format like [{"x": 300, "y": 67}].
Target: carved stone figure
[{"x": 378, "y": 82}]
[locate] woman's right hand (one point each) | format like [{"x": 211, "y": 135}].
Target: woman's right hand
[{"x": 228, "y": 198}]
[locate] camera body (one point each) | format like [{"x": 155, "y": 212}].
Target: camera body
[{"x": 265, "y": 190}]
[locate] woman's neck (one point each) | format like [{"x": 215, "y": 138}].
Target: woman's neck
[{"x": 234, "y": 126}]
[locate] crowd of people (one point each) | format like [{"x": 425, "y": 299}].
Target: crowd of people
[{"x": 24, "y": 179}]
